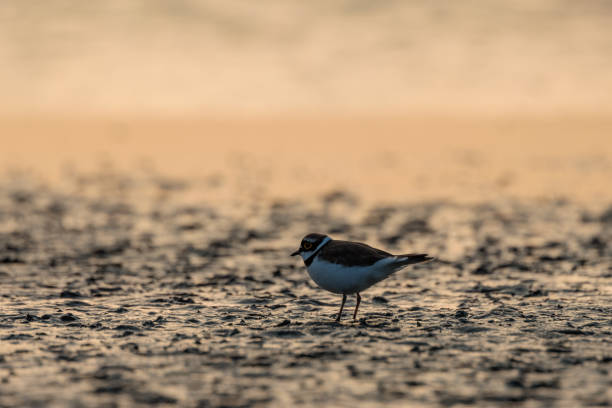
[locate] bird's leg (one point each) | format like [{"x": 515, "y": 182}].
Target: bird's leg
[
  {"x": 357, "y": 306},
  {"x": 341, "y": 307}
]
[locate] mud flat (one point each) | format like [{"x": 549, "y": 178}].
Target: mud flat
[{"x": 107, "y": 301}]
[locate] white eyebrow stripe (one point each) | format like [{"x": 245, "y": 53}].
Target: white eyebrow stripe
[{"x": 325, "y": 241}]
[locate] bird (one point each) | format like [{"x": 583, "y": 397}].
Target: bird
[{"x": 346, "y": 267}]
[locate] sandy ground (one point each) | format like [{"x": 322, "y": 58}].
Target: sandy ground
[{"x": 117, "y": 292}]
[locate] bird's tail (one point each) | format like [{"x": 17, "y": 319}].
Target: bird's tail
[{"x": 408, "y": 259}]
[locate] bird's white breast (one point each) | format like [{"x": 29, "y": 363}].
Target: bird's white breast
[{"x": 348, "y": 279}]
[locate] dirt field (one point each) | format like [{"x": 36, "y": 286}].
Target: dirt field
[{"x": 116, "y": 292}]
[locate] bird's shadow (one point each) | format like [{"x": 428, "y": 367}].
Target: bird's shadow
[{"x": 346, "y": 323}]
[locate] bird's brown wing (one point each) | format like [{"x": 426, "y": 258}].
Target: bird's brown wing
[{"x": 352, "y": 253}]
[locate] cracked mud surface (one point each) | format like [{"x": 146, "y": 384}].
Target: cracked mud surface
[{"x": 107, "y": 301}]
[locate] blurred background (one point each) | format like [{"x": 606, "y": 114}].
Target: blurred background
[{"x": 393, "y": 100}]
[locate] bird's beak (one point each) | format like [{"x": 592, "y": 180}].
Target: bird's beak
[{"x": 296, "y": 253}]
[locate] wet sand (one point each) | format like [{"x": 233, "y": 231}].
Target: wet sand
[
  {"x": 381, "y": 158},
  {"x": 116, "y": 291}
]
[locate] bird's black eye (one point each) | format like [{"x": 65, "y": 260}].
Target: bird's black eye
[{"x": 306, "y": 245}]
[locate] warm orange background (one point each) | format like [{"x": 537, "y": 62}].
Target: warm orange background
[{"x": 397, "y": 101}]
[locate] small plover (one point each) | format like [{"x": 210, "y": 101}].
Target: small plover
[{"x": 346, "y": 267}]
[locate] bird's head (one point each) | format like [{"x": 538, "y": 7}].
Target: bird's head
[{"x": 310, "y": 243}]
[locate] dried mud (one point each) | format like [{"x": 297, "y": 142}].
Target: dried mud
[{"x": 115, "y": 297}]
